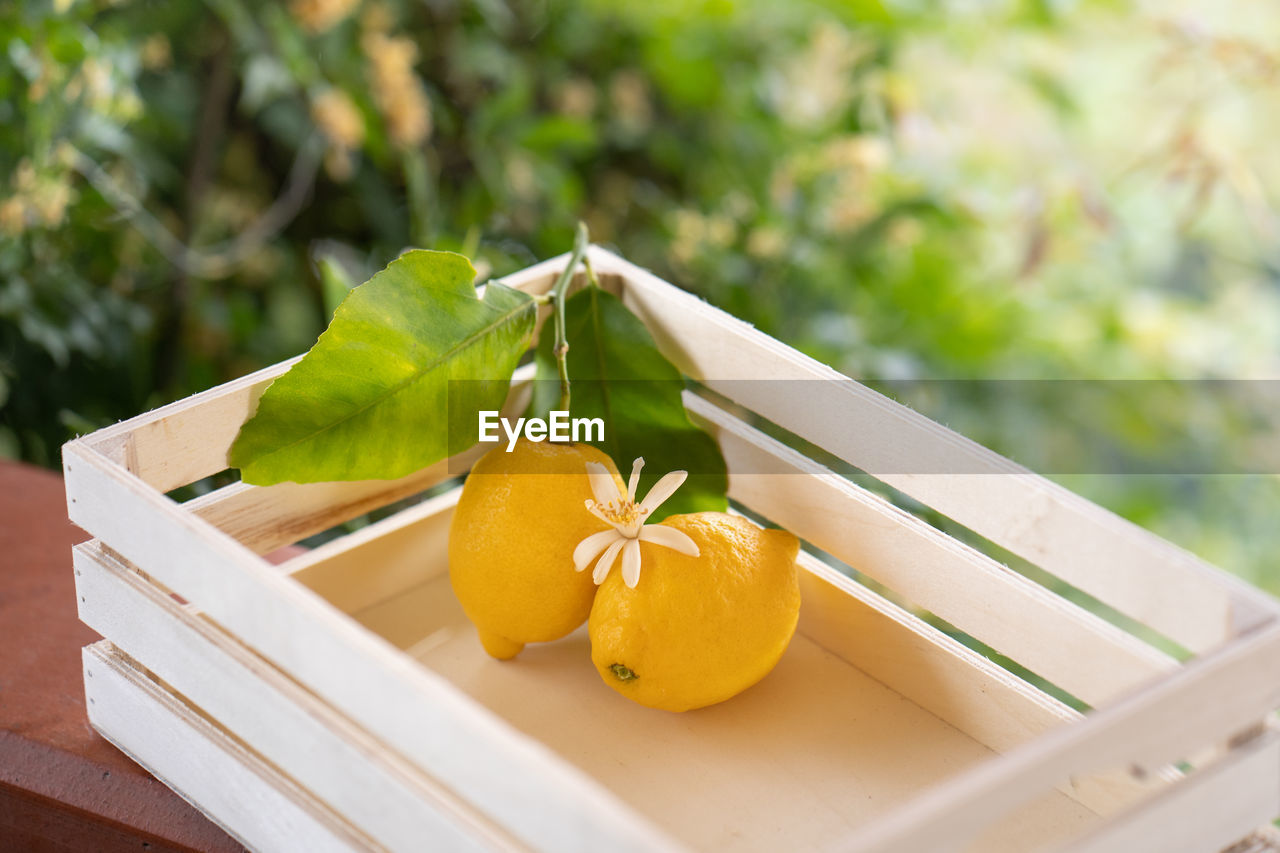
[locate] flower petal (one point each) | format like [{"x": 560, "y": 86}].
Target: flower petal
[
  {"x": 588, "y": 549},
  {"x": 668, "y": 537},
  {"x": 635, "y": 478},
  {"x": 662, "y": 490},
  {"x": 606, "y": 562},
  {"x": 631, "y": 563},
  {"x": 602, "y": 483}
]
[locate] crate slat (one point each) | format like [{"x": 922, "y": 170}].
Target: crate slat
[
  {"x": 1233, "y": 798},
  {"x": 1150, "y": 728},
  {"x": 344, "y": 767},
  {"x": 955, "y": 684},
  {"x": 264, "y": 518},
  {"x": 1076, "y": 650},
  {"x": 186, "y": 440},
  {"x": 237, "y": 790},
  {"x": 1113, "y": 560}
]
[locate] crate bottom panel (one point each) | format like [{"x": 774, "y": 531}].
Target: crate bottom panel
[
  {"x": 799, "y": 761},
  {"x": 203, "y": 764}
]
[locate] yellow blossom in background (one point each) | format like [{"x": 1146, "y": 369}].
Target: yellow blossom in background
[
  {"x": 318, "y": 16},
  {"x": 720, "y": 231},
  {"x": 848, "y": 213},
  {"x": 631, "y": 102},
  {"x": 156, "y": 54},
  {"x": 689, "y": 235},
  {"x": 782, "y": 185},
  {"x": 13, "y": 216},
  {"x": 905, "y": 232},
  {"x": 856, "y": 153},
  {"x": 338, "y": 163},
  {"x": 128, "y": 105},
  {"x": 766, "y": 242},
  {"x": 62, "y": 6},
  {"x": 65, "y": 154},
  {"x": 50, "y": 201},
  {"x": 817, "y": 84},
  {"x": 376, "y": 18},
  {"x": 338, "y": 118},
  {"x": 614, "y": 191},
  {"x": 39, "y": 87},
  {"x": 521, "y": 177},
  {"x": 231, "y": 209},
  {"x": 576, "y": 97},
  {"x": 97, "y": 82},
  {"x": 739, "y": 205},
  {"x": 396, "y": 87},
  {"x": 24, "y": 177}
]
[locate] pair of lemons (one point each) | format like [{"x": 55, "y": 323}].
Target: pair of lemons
[{"x": 693, "y": 631}]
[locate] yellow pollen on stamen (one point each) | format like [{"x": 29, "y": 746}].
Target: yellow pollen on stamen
[{"x": 625, "y": 512}]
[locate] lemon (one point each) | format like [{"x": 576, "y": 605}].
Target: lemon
[
  {"x": 697, "y": 630},
  {"x": 511, "y": 543}
]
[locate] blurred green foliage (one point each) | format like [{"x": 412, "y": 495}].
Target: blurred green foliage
[{"x": 901, "y": 188}]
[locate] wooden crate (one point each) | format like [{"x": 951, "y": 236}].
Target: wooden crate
[{"x": 350, "y": 674}]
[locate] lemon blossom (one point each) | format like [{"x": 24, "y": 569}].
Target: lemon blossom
[{"x": 626, "y": 518}]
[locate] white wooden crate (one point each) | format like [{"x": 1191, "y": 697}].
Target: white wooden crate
[{"x": 351, "y": 671}]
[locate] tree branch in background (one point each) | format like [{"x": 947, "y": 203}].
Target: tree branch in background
[{"x": 221, "y": 259}]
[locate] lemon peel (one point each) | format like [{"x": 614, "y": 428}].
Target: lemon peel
[
  {"x": 512, "y": 532},
  {"x": 699, "y": 631},
  {"x": 626, "y": 519}
]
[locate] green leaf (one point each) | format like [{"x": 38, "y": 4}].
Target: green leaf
[
  {"x": 371, "y": 398},
  {"x": 618, "y": 374}
]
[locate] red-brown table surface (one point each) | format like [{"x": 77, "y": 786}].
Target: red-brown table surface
[{"x": 62, "y": 787}]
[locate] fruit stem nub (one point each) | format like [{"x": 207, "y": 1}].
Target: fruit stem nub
[{"x": 622, "y": 672}]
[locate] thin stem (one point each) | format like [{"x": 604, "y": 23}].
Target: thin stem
[
  {"x": 591, "y": 272},
  {"x": 557, "y": 294}
]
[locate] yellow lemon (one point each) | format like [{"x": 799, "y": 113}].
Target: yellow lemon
[
  {"x": 511, "y": 543},
  {"x": 697, "y": 630}
]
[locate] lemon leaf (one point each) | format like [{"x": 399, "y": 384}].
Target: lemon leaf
[
  {"x": 369, "y": 401},
  {"x": 617, "y": 374}
]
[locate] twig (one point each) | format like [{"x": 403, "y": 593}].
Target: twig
[
  {"x": 220, "y": 259},
  {"x": 557, "y": 294}
]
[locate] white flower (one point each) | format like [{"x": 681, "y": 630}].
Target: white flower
[{"x": 626, "y": 517}]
